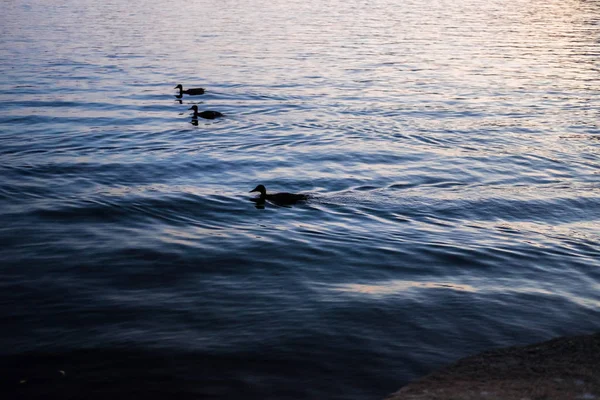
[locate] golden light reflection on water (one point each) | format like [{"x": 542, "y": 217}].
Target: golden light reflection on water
[
  {"x": 396, "y": 286},
  {"x": 392, "y": 287}
]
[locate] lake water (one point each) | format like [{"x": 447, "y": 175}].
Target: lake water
[{"x": 451, "y": 148}]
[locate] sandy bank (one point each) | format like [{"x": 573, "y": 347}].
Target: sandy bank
[{"x": 565, "y": 368}]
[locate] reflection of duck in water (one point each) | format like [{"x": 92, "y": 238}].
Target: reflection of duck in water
[
  {"x": 280, "y": 199},
  {"x": 191, "y": 92},
  {"x": 205, "y": 114}
]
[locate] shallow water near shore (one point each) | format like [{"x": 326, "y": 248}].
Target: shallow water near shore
[{"x": 451, "y": 151}]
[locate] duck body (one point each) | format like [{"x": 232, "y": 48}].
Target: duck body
[
  {"x": 208, "y": 114},
  {"x": 280, "y": 199},
  {"x": 191, "y": 92}
]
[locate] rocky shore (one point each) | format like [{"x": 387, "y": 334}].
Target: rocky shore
[{"x": 566, "y": 368}]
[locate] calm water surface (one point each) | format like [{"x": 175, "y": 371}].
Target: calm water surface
[{"x": 452, "y": 150}]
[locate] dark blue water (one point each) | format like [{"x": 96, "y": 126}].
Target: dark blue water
[{"x": 452, "y": 151}]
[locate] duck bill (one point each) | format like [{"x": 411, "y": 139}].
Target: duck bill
[
  {"x": 253, "y": 190},
  {"x": 191, "y": 108}
]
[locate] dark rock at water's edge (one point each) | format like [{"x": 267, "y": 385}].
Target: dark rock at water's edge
[{"x": 566, "y": 368}]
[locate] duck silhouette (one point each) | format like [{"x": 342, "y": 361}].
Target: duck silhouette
[
  {"x": 204, "y": 114},
  {"x": 280, "y": 199},
  {"x": 191, "y": 92}
]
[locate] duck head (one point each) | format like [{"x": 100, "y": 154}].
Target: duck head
[
  {"x": 195, "y": 108},
  {"x": 179, "y": 87},
  {"x": 261, "y": 189}
]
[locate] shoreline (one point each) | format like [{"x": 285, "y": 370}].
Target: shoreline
[{"x": 564, "y": 368}]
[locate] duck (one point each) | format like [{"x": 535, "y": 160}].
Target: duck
[
  {"x": 191, "y": 92},
  {"x": 208, "y": 114},
  {"x": 280, "y": 199}
]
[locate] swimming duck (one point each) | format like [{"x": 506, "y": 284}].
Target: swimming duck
[
  {"x": 191, "y": 92},
  {"x": 280, "y": 199},
  {"x": 205, "y": 114}
]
